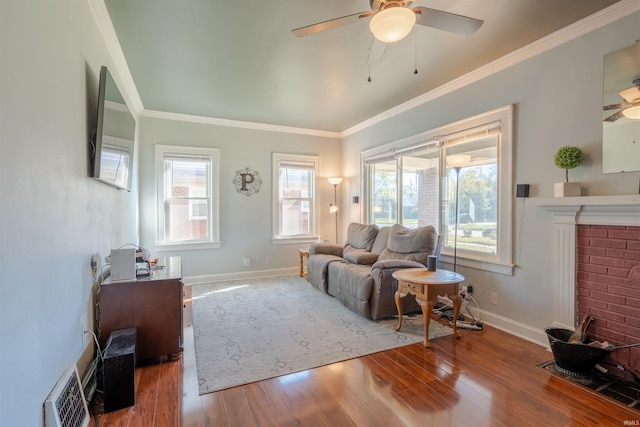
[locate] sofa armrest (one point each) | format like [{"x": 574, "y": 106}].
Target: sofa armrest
[
  {"x": 360, "y": 257},
  {"x": 326, "y": 249},
  {"x": 382, "y": 300},
  {"x": 396, "y": 264}
]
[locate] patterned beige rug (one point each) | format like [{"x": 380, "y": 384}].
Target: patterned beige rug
[{"x": 251, "y": 330}]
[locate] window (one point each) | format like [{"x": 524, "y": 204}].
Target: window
[
  {"x": 295, "y": 179},
  {"x": 187, "y": 196},
  {"x": 415, "y": 182}
]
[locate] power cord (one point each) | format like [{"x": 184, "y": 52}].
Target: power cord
[
  {"x": 446, "y": 310},
  {"x": 97, "y": 363}
]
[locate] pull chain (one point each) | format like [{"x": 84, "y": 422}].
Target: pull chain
[
  {"x": 415, "y": 52},
  {"x": 369, "y": 60}
]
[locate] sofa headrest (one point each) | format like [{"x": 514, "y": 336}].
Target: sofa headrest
[
  {"x": 380, "y": 244},
  {"x": 405, "y": 243},
  {"x": 361, "y": 236}
]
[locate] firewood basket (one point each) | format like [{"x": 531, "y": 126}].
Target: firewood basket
[{"x": 574, "y": 358}]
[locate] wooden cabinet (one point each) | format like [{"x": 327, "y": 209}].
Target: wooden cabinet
[{"x": 152, "y": 304}]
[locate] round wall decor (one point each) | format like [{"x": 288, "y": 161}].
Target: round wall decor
[{"x": 247, "y": 181}]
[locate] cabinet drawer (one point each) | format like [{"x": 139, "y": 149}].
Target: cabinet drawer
[{"x": 415, "y": 287}]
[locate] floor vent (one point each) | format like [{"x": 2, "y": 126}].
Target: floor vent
[{"x": 65, "y": 406}]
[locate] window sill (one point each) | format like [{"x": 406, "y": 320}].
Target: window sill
[
  {"x": 187, "y": 246},
  {"x": 294, "y": 240},
  {"x": 480, "y": 264}
]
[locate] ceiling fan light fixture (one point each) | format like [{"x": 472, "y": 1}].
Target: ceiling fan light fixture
[
  {"x": 632, "y": 113},
  {"x": 392, "y": 24}
]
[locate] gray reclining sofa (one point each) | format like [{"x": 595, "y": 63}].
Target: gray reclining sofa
[{"x": 358, "y": 273}]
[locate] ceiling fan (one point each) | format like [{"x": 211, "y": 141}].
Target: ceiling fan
[
  {"x": 630, "y": 108},
  {"x": 392, "y": 20}
]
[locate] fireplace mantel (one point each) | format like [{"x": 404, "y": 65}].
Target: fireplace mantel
[
  {"x": 595, "y": 210},
  {"x": 569, "y": 212}
]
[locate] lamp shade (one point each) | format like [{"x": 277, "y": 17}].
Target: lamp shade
[
  {"x": 458, "y": 160},
  {"x": 333, "y": 209},
  {"x": 392, "y": 24},
  {"x": 335, "y": 181},
  {"x": 632, "y": 113}
]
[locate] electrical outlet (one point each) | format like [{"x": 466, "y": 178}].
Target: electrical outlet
[
  {"x": 494, "y": 298},
  {"x": 246, "y": 262},
  {"x": 267, "y": 260},
  {"x": 84, "y": 326},
  {"x": 95, "y": 261}
]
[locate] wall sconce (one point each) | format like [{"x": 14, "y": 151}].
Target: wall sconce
[{"x": 333, "y": 208}]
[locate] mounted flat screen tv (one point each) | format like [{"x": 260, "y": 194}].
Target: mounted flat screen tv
[{"x": 111, "y": 143}]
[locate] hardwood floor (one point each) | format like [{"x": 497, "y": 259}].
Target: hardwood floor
[{"x": 486, "y": 378}]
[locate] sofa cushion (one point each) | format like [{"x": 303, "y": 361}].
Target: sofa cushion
[
  {"x": 380, "y": 243},
  {"x": 317, "y": 270},
  {"x": 414, "y": 245},
  {"x": 361, "y": 236},
  {"x": 354, "y": 286}
]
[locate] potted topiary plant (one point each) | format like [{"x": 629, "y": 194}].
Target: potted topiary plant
[{"x": 568, "y": 157}]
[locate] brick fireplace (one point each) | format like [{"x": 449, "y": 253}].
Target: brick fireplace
[
  {"x": 608, "y": 288},
  {"x": 597, "y": 242}
]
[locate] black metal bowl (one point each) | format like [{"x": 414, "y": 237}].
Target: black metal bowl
[{"x": 574, "y": 357}]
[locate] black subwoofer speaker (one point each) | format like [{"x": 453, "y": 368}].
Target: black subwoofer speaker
[{"x": 119, "y": 370}]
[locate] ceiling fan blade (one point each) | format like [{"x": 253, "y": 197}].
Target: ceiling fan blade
[
  {"x": 614, "y": 117},
  {"x": 330, "y": 24},
  {"x": 631, "y": 94},
  {"x": 446, "y": 21},
  {"x": 614, "y": 106}
]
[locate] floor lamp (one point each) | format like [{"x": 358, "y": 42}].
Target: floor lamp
[
  {"x": 457, "y": 162},
  {"x": 333, "y": 208}
]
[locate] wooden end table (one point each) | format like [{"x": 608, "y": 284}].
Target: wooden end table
[
  {"x": 426, "y": 286},
  {"x": 304, "y": 253}
]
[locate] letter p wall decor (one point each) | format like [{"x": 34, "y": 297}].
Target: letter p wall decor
[{"x": 247, "y": 181}]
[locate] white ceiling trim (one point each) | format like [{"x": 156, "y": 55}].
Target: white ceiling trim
[
  {"x": 121, "y": 73},
  {"x": 597, "y": 20},
  {"x": 239, "y": 124}
]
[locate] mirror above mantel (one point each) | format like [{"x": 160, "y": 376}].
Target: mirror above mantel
[{"x": 621, "y": 110}]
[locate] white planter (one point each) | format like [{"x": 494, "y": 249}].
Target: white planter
[{"x": 566, "y": 189}]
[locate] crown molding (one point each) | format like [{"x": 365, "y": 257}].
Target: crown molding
[
  {"x": 239, "y": 124},
  {"x": 121, "y": 74},
  {"x": 577, "y": 29}
]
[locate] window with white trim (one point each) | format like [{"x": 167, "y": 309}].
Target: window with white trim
[
  {"x": 294, "y": 197},
  {"x": 188, "y": 179},
  {"x": 416, "y": 182}
]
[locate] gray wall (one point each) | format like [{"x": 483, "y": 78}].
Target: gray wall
[
  {"x": 52, "y": 216},
  {"x": 558, "y": 101},
  {"x": 245, "y": 221}
]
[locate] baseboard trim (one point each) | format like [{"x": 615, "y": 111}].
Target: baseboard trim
[
  {"x": 534, "y": 335},
  {"x": 195, "y": 280}
]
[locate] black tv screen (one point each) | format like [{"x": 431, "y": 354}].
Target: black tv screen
[{"x": 111, "y": 143}]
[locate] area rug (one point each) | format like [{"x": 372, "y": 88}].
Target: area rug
[{"x": 251, "y": 330}]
